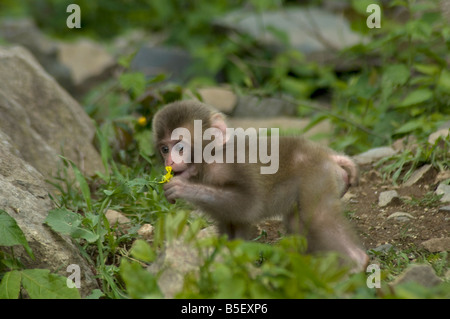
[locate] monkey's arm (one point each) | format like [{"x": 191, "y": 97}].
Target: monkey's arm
[{"x": 205, "y": 196}]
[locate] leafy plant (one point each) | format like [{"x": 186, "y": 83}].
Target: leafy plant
[
  {"x": 38, "y": 283},
  {"x": 408, "y": 161}
]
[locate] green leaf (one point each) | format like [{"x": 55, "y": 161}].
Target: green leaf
[
  {"x": 444, "y": 80},
  {"x": 83, "y": 185},
  {"x": 416, "y": 97},
  {"x": 10, "y": 285},
  {"x": 95, "y": 294},
  {"x": 105, "y": 152},
  {"x": 11, "y": 234},
  {"x": 66, "y": 222},
  {"x": 428, "y": 69},
  {"x": 410, "y": 126},
  {"x": 298, "y": 88},
  {"x": 396, "y": 74},
  {"x": 139, "y": 282},
  {"x": 142, "y": 251},
  {"x": 63, "y": 220},
  {"x": 134, "y": 81},
  {"x": 82, "y": 182},
  {"x": 41, "y": 284}
]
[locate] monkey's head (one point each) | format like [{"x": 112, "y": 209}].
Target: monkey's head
[{"x": 175, "y": 152}]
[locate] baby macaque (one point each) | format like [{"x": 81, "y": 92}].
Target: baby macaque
[{"x": 219, "y": 171}]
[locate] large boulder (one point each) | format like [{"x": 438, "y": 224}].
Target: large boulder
[
  {"x": 24, "y": 196},
  {"x": 88, "y": 62},
  {"x": 24, "y": 32},
  {"x": 41, "y": 119},
  {"x": 309, "y": 30}
]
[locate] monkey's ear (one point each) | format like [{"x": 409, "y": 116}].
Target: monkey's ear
[{"x": 218, "y": 121}]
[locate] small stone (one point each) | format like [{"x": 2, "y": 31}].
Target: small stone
[
  {"x": 387, "y": 197},
  {"x": 405, "y": 143},
  {"x": 443, "y": 189},
  {"x": 401, "y": 216},
  {"x": 223, "y": 99},
  {"x": 434, "y": 136},
  {"x": 115, "y": 217},
  {"x": 421, "y": 274},
  {"x": 146, "y": 231},
  {"x": 384, "y": 248},
  {"x": 435, "y": 245},
  {"x": 419, "y": 175},
  {"x": 442, "y": 176},
  {"x": 373, "y": 155},
  {"x": 445, "y": 209}
]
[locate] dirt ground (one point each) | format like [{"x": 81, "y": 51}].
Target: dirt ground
[{"x": 371, "y": 221}]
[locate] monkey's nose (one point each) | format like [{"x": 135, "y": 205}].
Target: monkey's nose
[{"x": 170, "y": 163}]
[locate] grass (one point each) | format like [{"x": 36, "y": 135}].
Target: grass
[{"x": 229, "y": 269}]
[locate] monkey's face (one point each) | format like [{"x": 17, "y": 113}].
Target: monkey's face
[{"x": 176, "y": 154}]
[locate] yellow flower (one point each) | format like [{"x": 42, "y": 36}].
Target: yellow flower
[
  {"x": 168, "y": 176},
  {"x": 142, "y": 121}
]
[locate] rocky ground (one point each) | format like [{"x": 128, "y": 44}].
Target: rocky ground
[{"x": 412, "y": 218}]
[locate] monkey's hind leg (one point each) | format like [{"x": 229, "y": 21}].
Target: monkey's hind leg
[
  {"x": 323, "y": 221},
  {"x": 237, "y": 230}
]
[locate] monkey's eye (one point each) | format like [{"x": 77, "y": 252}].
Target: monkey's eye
[
  {"x": 164, "y": 149},
  {"x": 179, "y": 147}
]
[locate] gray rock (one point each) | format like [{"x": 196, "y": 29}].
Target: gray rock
[
  {"x": 440, "y": 133},
  {"x": 173, "y": 264},
  {"x": 373, "y": 155},
  {"x": 442, "y": 176},
  {"x": 154, "y": 60},
  {"x": 24, "y": 196},
  {"x": 445, "y": 190},
  {"x": 25, "y": 33},
  {"x": 146, "y": 231},
  {"x": 40, "y": 118},
  {"x": 437, "y": 244},
  {"x": 401, "y": 216},
  {"x": 421, "y": 274},
  {"x": 39, "y": 121},
  {"x": 309, "y": 30},
  {"x": 176, "y": 260},
  {"x": 419, "y": 175},
  {"x": 119, "y": 220},
  {"x": 88, "y": 61},
  {"x": 387, "y": 197},
  {"x": 221, "y": 98},
  {"x": 384, "y": 248}
]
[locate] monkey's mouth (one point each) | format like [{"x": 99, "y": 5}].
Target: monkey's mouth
[{"x": 183, "y": 173}]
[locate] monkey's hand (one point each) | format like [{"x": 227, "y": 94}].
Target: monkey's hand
[
  {"x": 208, "y": 197},
  {"x": 176, "y": 188}
]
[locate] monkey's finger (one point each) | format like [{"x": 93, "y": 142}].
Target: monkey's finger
[{"x": 170, "y": 199}]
